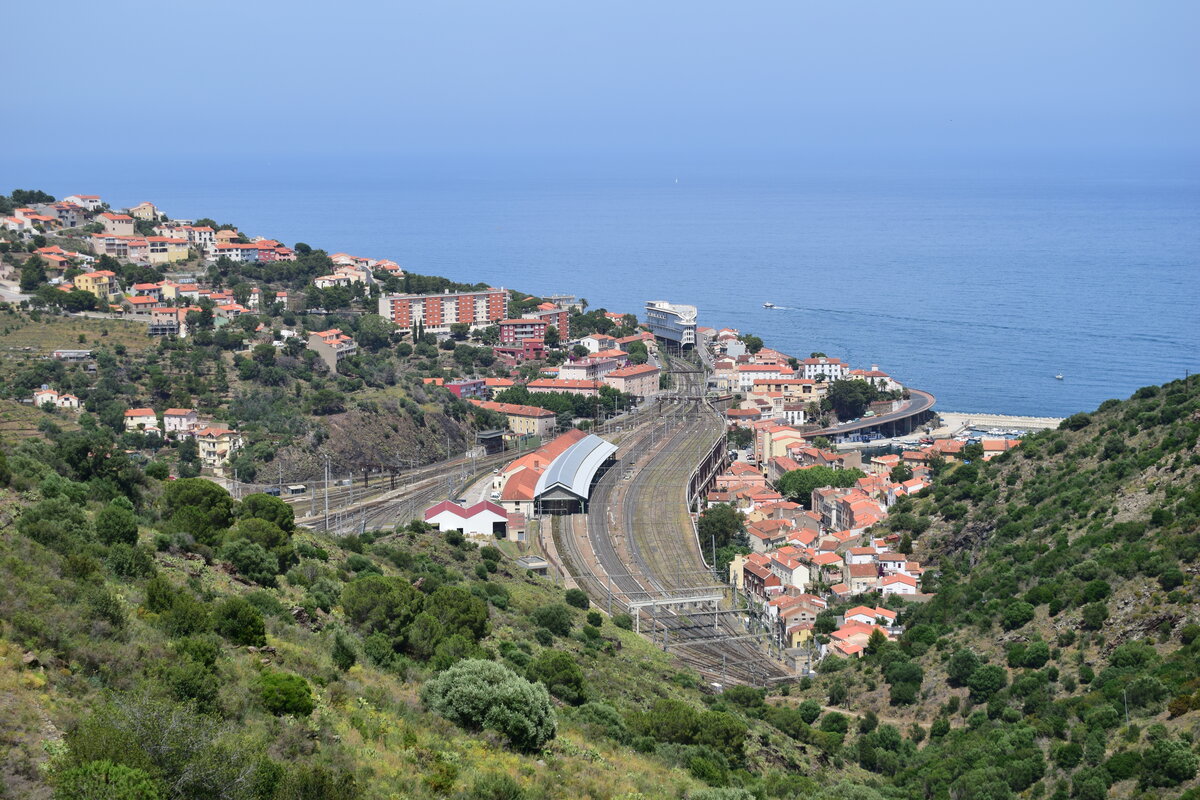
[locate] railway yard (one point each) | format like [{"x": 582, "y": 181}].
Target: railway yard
[{"x": 637, "y": 550}]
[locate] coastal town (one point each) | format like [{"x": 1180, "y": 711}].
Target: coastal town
[
  {"x": 565, "y": 401},
  {"x": 796, "y": 551}
]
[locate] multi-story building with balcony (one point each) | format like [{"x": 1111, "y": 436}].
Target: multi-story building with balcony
[{"x": 435, "y": 313}]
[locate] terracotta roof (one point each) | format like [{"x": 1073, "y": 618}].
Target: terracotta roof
[
  {"x": 863, "y": 571},
  {"x": 513, "y": 409}
]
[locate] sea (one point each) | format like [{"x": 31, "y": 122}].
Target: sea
[{"x": 980, "y": 285}]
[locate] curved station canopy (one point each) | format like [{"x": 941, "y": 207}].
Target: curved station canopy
[{"x": 566, "y": 484}]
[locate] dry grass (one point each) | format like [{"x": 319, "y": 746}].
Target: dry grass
[
  {"x": 19, "y": 421},
  {"x": 21, "y": 334}
]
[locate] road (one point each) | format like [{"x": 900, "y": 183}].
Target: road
[{"x": 917, "y": 403}]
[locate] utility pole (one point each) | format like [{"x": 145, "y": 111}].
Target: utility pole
[{"x": 327, "y": 492}]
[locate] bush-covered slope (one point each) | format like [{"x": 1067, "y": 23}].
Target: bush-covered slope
[
  {"x": 161, "y": 637},
  {"x": 1061, "y": 654}
]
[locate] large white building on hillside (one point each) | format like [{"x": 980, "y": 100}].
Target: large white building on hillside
[{"x": 672, "y": 322}]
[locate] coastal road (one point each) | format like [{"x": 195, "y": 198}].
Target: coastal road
[{"x": 917, "y": 403}]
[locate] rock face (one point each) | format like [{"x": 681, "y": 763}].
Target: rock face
[{"x": 383, "y": 433}]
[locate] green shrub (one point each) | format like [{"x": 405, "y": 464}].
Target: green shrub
[
  {"x": 833, "y": 722},
  {"x": 559, "y": 673},
  {"x": 1017, "y": 615},
  {"x": 186, "y": 616},
  {"x": 56, "y": 523},
  {"x": 104, "y": 780},
  {"x": 284, "y": 693},
  {"x": 1094, "y": 615},
  {"x": 251, "y": 561},
  {"x": 378, "y": 604},
  {"x": 986, "y": 680},
  {"x": 605, "y": 719},
  {"x": 577, "y": 598},
  {"x": 116, "y": 524},
  {"x": 344, "y": 652},
  {"x": 555, "y": 618},
  {"x": 625, "y": 622},
  {"x": 1076, "y": 422},
  {"x": 961, "y": 666},
  {"x": 312, "y": 781},
  {"x": 484, "y": 695},
  {"x": 130, "y": 561},
  {"x": 1168, "y": 762},
  {"x": 268, "y": 508},
  {"x": 497, "y": 786},
  {"x": 198, "y": 507},
  {"x": 239, "y": 621}
]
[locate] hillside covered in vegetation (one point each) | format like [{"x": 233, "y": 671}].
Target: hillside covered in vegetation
[
  {"x": 159, "y": 639},
  {"x": 1060, "y": 656}
]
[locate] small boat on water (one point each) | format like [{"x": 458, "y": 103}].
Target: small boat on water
[
  {"x": 1058, "y": 377},
  {"x": 768, "y": 305}
]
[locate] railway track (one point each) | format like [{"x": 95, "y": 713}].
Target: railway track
[{"x": 642, "y": 543}]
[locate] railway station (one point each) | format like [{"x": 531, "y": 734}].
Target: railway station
[{"x": 566, "y": 485}]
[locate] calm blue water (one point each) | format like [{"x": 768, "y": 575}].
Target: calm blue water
[{"x": 978, "y": 288}]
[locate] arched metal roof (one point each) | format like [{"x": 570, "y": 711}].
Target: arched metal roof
[{"x": 575, "y": 467}]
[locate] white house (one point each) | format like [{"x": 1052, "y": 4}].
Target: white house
[
  {"x": 482, "y": 519},
  {"x": 141, "y": 419},
  {"x": 899, "y": 584},
  {"x": 89, "y": 201},
  {"x": 180, "y": 420},
  {"x": 868, "y": 616},
  {"x": 828, "y": 369},
  {"x": 861, "y": 555},
  {"x": 45, "y": 395}
]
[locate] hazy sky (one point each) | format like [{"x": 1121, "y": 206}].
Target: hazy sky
[{"x": 756, "y": 79}]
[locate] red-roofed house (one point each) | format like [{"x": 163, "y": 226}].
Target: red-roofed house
[
  {"x": 862, "y": 578},
  {"x": 639, "y": 380},
  {"x": 870, "y": 616},
  {"x": 899, "y": 584},
  {"x": 767, "y": 534},
  {"x": 117, "y": 224},
  {"x": 523, "y": 420},
  {"x": 826, "y": 369},
  {"x": 138, "y": 419},
  {"x": 91, "y": 202},
  {"x": 585, "y": 388},
  {"x": 332, "y": 346},
  {"x": 216, "y": 446},
  {"x": 482, "y": 519}
]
